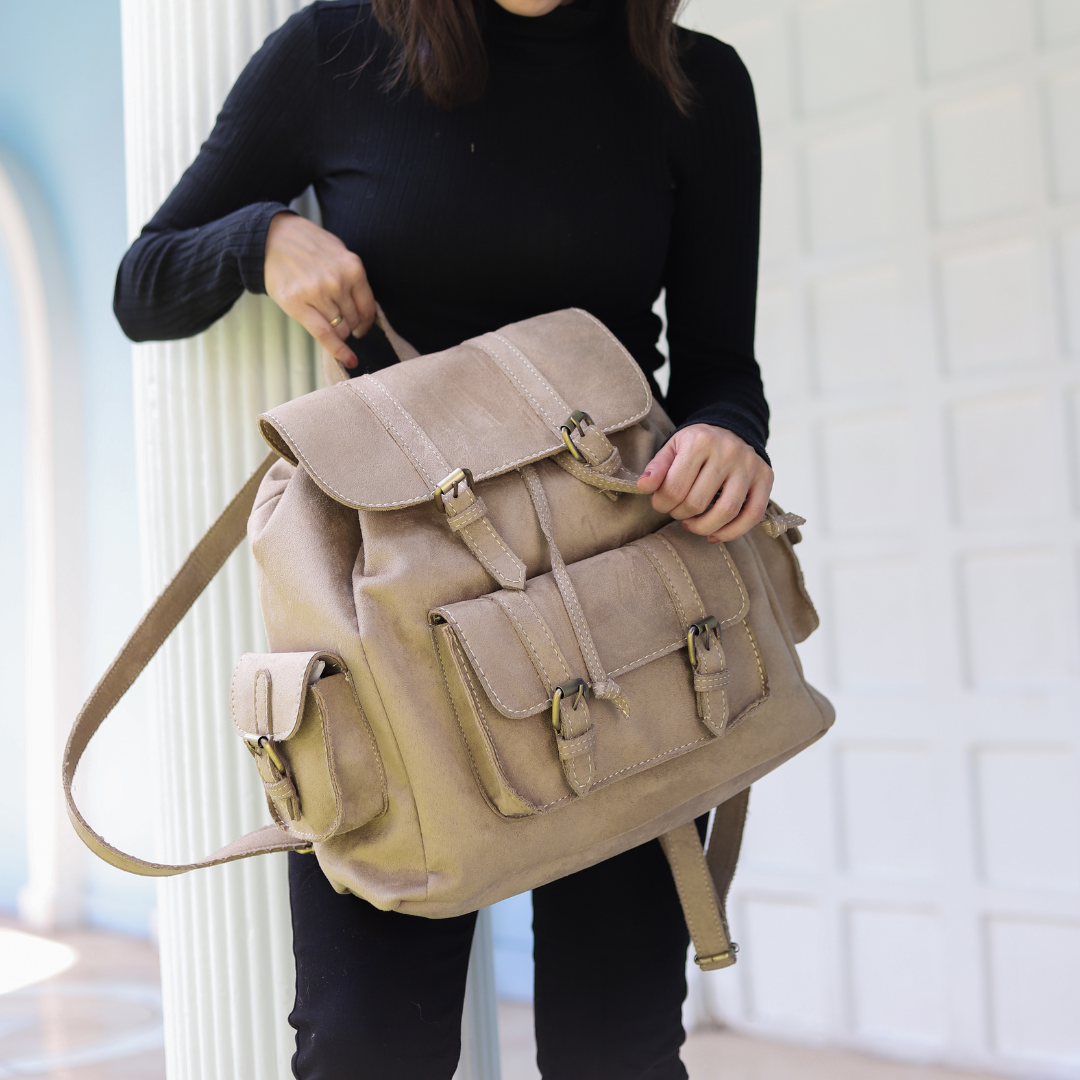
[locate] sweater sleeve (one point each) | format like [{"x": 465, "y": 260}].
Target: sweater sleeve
[
  {"x": 711, "y": 273},
  {"x": 205, "y": 245}
]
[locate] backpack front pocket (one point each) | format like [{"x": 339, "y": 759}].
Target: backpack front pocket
[
  {"x": 540, "y": 733},
  {"x": 300, "y": 718}
]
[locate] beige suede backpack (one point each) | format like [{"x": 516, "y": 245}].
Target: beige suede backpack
[{"x": 493, "y": 663}]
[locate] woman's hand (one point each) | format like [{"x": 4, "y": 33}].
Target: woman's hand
[
  {"x": 694, "y": 465},
  {"x": 312, "y": 276}
]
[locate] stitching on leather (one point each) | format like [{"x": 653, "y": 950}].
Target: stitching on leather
[
  {"x": 744, "y": 607},
  {"x": 485, "y": 561},
  {"x": 506, "y": 467},
  {"x": 627, "y": 357},
  {"x": 685, "y": 573},
  {"x": 674, "y": 864},
  {"x": 490, "y": 741},
  {"x": 435, "y": 452},
  {"x": 669, "y": 585},
  {"x": 574, "y": 756},
  {"x": 757, "y": 655},
  {"x": 548, "y": 634},
  {"x": 649, "y": 656},
  {"x": 502, "y": 706},
  {"x": 540, "y": 377},
  {"x": 464, "y": 738},
  {"x": 637, "y": 765},
  {"x": 537, "y": 661},
  {"x": 713, "y": 912},
  {"x": 515, "y": 561},
  {"x": 339, "y": 797},
  {"x": 505, "y": 369},
  {"x": 397, "y": 436},
  {"x": 562, "y": 578}
]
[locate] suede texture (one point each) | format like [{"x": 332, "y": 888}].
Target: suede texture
[{"x": 358, "y": 561}]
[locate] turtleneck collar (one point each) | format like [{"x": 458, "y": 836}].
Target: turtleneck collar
[{"x": 580, "y": 19}]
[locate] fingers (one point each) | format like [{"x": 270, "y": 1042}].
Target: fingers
[
  {"x": 350, "y": 317},
  {"x": 314, "y": 278},
  {"x": 318, "y": 326},
  {"x": 711, "y": 480},
  {"x": 729, "y": 504},
  {"x": 753, "y": 510},
  {"x": 364, "y": 302},
  {"x": 657, "y": 469},
  {"x": 690, "y": 452}
]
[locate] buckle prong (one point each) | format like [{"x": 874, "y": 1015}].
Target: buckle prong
[
  {"x": 707, "y": 626},
  {"x": 450, "y": 484},
  {"x": 264, "y": 743},
  {"x": 577, "y": 687},
  {"x": 574, "y": 422}
]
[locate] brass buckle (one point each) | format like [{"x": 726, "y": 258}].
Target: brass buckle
[
  {"x": 575, "y": 686},
  {"x": 452, "y": 483},
  {"x": 707, "y": 626},
  {"x": 574, "y": 422},
  {"x": 721, "y": 959},
  {"x": 264, "y": 743}
]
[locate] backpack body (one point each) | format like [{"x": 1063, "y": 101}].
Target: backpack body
[{"x": 491, "y": 662}]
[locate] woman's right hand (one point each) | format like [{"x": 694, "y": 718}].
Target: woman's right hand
[{"x": 313, "y": 277}]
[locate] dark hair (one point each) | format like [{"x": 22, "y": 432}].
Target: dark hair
[{"x": 441, "y": 50}]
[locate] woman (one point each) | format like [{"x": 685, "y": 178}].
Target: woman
[{"x": 478, "y": 162}]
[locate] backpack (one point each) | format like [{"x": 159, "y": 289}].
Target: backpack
[{"x": 492, "y": 662}]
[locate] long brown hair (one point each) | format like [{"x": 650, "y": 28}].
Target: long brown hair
[{"x": 441, "y": 51}]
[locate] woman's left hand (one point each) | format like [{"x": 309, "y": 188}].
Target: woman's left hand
[{"x": 696, "y": 464}]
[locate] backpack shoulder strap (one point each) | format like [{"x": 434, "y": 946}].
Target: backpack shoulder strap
[
  {"x": 702, "y": 880},
  {"x": 157, "y": 624}
]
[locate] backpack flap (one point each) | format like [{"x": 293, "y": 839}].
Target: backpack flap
[
  {"x": 507, "y": 655},
  {"x": 489, "y": 405},
  {"x": 299, "y": 716}
]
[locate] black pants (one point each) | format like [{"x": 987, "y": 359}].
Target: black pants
[{"x": 379, "y": 994}]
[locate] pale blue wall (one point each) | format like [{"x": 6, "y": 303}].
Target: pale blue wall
[
  {"x": 12, "y": 555},
  {"x": 61, "y": 118}
]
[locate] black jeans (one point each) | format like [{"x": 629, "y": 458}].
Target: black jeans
[{"x": 379, "y": 994}]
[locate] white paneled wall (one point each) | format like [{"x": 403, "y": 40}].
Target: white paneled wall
[{"x": 912, "y": 884}]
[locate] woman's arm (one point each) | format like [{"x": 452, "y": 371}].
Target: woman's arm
[
  {"x": 711, "y": 281},
  {"x": 205, "y": 245}
]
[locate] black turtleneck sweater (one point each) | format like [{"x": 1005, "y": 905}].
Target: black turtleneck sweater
[{"x": 572, "y": 181}]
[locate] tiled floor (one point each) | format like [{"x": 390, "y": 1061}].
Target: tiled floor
[
  {"x": 724, "y": 1055},
  {"x": 98, "y": 1017}
]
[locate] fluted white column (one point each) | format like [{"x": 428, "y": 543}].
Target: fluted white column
[{"x": 227, "y": 968}]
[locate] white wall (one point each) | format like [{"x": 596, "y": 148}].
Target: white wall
[{"x": 912, "y": 884}]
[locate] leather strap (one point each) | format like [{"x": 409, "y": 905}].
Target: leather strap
[
  {"x": 465, "y": 511},
  {"x": 710, "y": 672},
  {"x": 600, "y": 464},
  {"x": 157, "y": 624},
  {"x": 334, "y": 371},
  {"x": 703, "y": 880},
  {"x": 601, "y": 684}
]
